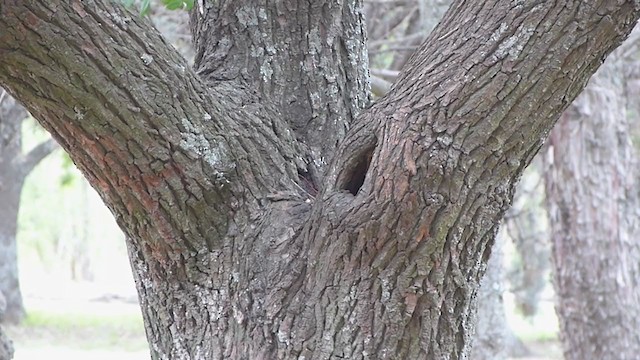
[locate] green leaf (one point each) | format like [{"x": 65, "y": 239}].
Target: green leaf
[
  {"x": 178, "y": 4},
  {"x": 145, "y": 7},
  {"x": 172, "y": 4}
]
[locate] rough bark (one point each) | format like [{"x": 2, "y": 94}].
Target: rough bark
[
  {"x": 493, "y": 339},
  {"x": 593, "y": 206},
  {"x": 6, "y": 345},
  {"x": 307, "y": 58},
  {"x": 242, "y": 251}
]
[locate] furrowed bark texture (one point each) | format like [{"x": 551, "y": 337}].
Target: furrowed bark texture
[
  {"x": 241, "y": 250},
  {"x": 307, "y": 58},
  {"x": 397, "y": 27},
  {"x": 593, "y": 207}
]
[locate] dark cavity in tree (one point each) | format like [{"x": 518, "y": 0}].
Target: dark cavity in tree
[
  {"x": 307, "y": 183},
  {"x": 358, "y": 172}
]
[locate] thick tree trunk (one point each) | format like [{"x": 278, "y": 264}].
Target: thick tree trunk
[
  {"x": 593, "y": 205},
  {"x": 265, "y": 219}
]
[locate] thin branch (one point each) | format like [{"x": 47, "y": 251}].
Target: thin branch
[
  {"x": 389, "y": 75},
  {"x": 37, "y": 154},
  {"x": 405, "y": 39},
  {"x": 379, "y": 86},
  {"x": 3, "y": 95},
  {"x": 394, "y": 48},
  {"x": 629, "y": 48}
]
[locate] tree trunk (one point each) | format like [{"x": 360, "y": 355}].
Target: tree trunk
[
  {"x": 11, "y": 180},
  {"x": 527, "y": 225},
  {"x": 265, "y": 218},
  {"x": 593, "y": 206},
  {"x": 491, "y": 330},
  {"x": 494, "y": 339},
  {"x": 6, "y": 346},
  {"x": 14, "y": 167}
]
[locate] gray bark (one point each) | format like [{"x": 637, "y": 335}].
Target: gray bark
[
  {"x": 6, "y": 345},
  {"x": 594, "y": 210},
  {"x": 493, "y": 339},
  {"x": 265, "y": 218}
]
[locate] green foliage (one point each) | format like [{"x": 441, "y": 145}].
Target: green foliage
[
  {"x": 73, "y": 328},
  {"x": 178, "y": 4},
  {"x": 69, "y": 176},
  {"x": 145, "y": 5}
]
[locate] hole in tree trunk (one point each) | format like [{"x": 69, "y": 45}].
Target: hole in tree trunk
[{"x": 358, "y": 172}]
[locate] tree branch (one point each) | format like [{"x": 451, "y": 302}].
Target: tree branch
[
  {"x": 389, "y": 75},
  {"x": 435, "y": 163},
  {"x": 140, "y": 125},
  {"x": 35, "y": 155},
  {"x": 379, "y": 86},
  {"x": 10, "y": 110}
]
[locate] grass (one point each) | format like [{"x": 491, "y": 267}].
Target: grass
[{"x": 80, "y": 328}]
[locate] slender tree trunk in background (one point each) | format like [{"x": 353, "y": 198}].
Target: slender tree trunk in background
[
  {"x": 527, "y": 225},
  {"x": 491, "y": 327},
  {"x": 11, "y": 180},
  {"x": 593, "y": 206},
  {"x": 14, "y": 167},
  {"x": 6, "y": 345},
  {"x": 268, "y": 214}
]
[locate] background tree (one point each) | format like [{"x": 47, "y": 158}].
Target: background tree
[
  {"x": 14, "y": 168},
  {"x": 6, "y": 345},
  {"x": 592, "y": 192},
  {"x": 267, "y": 215},
  {"x": 527, "y": 225}
]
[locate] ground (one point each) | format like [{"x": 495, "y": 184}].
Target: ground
[{"x": 79, "y": 321}]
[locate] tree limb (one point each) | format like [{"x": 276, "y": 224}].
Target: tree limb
[
  {"x": 440, "y": 156},
  {"x": 37, "y": 154},
  {"x": 389, "y": 75},
  {"x": 379, "y": 86},
  {"x": 136, "y": 119}
]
